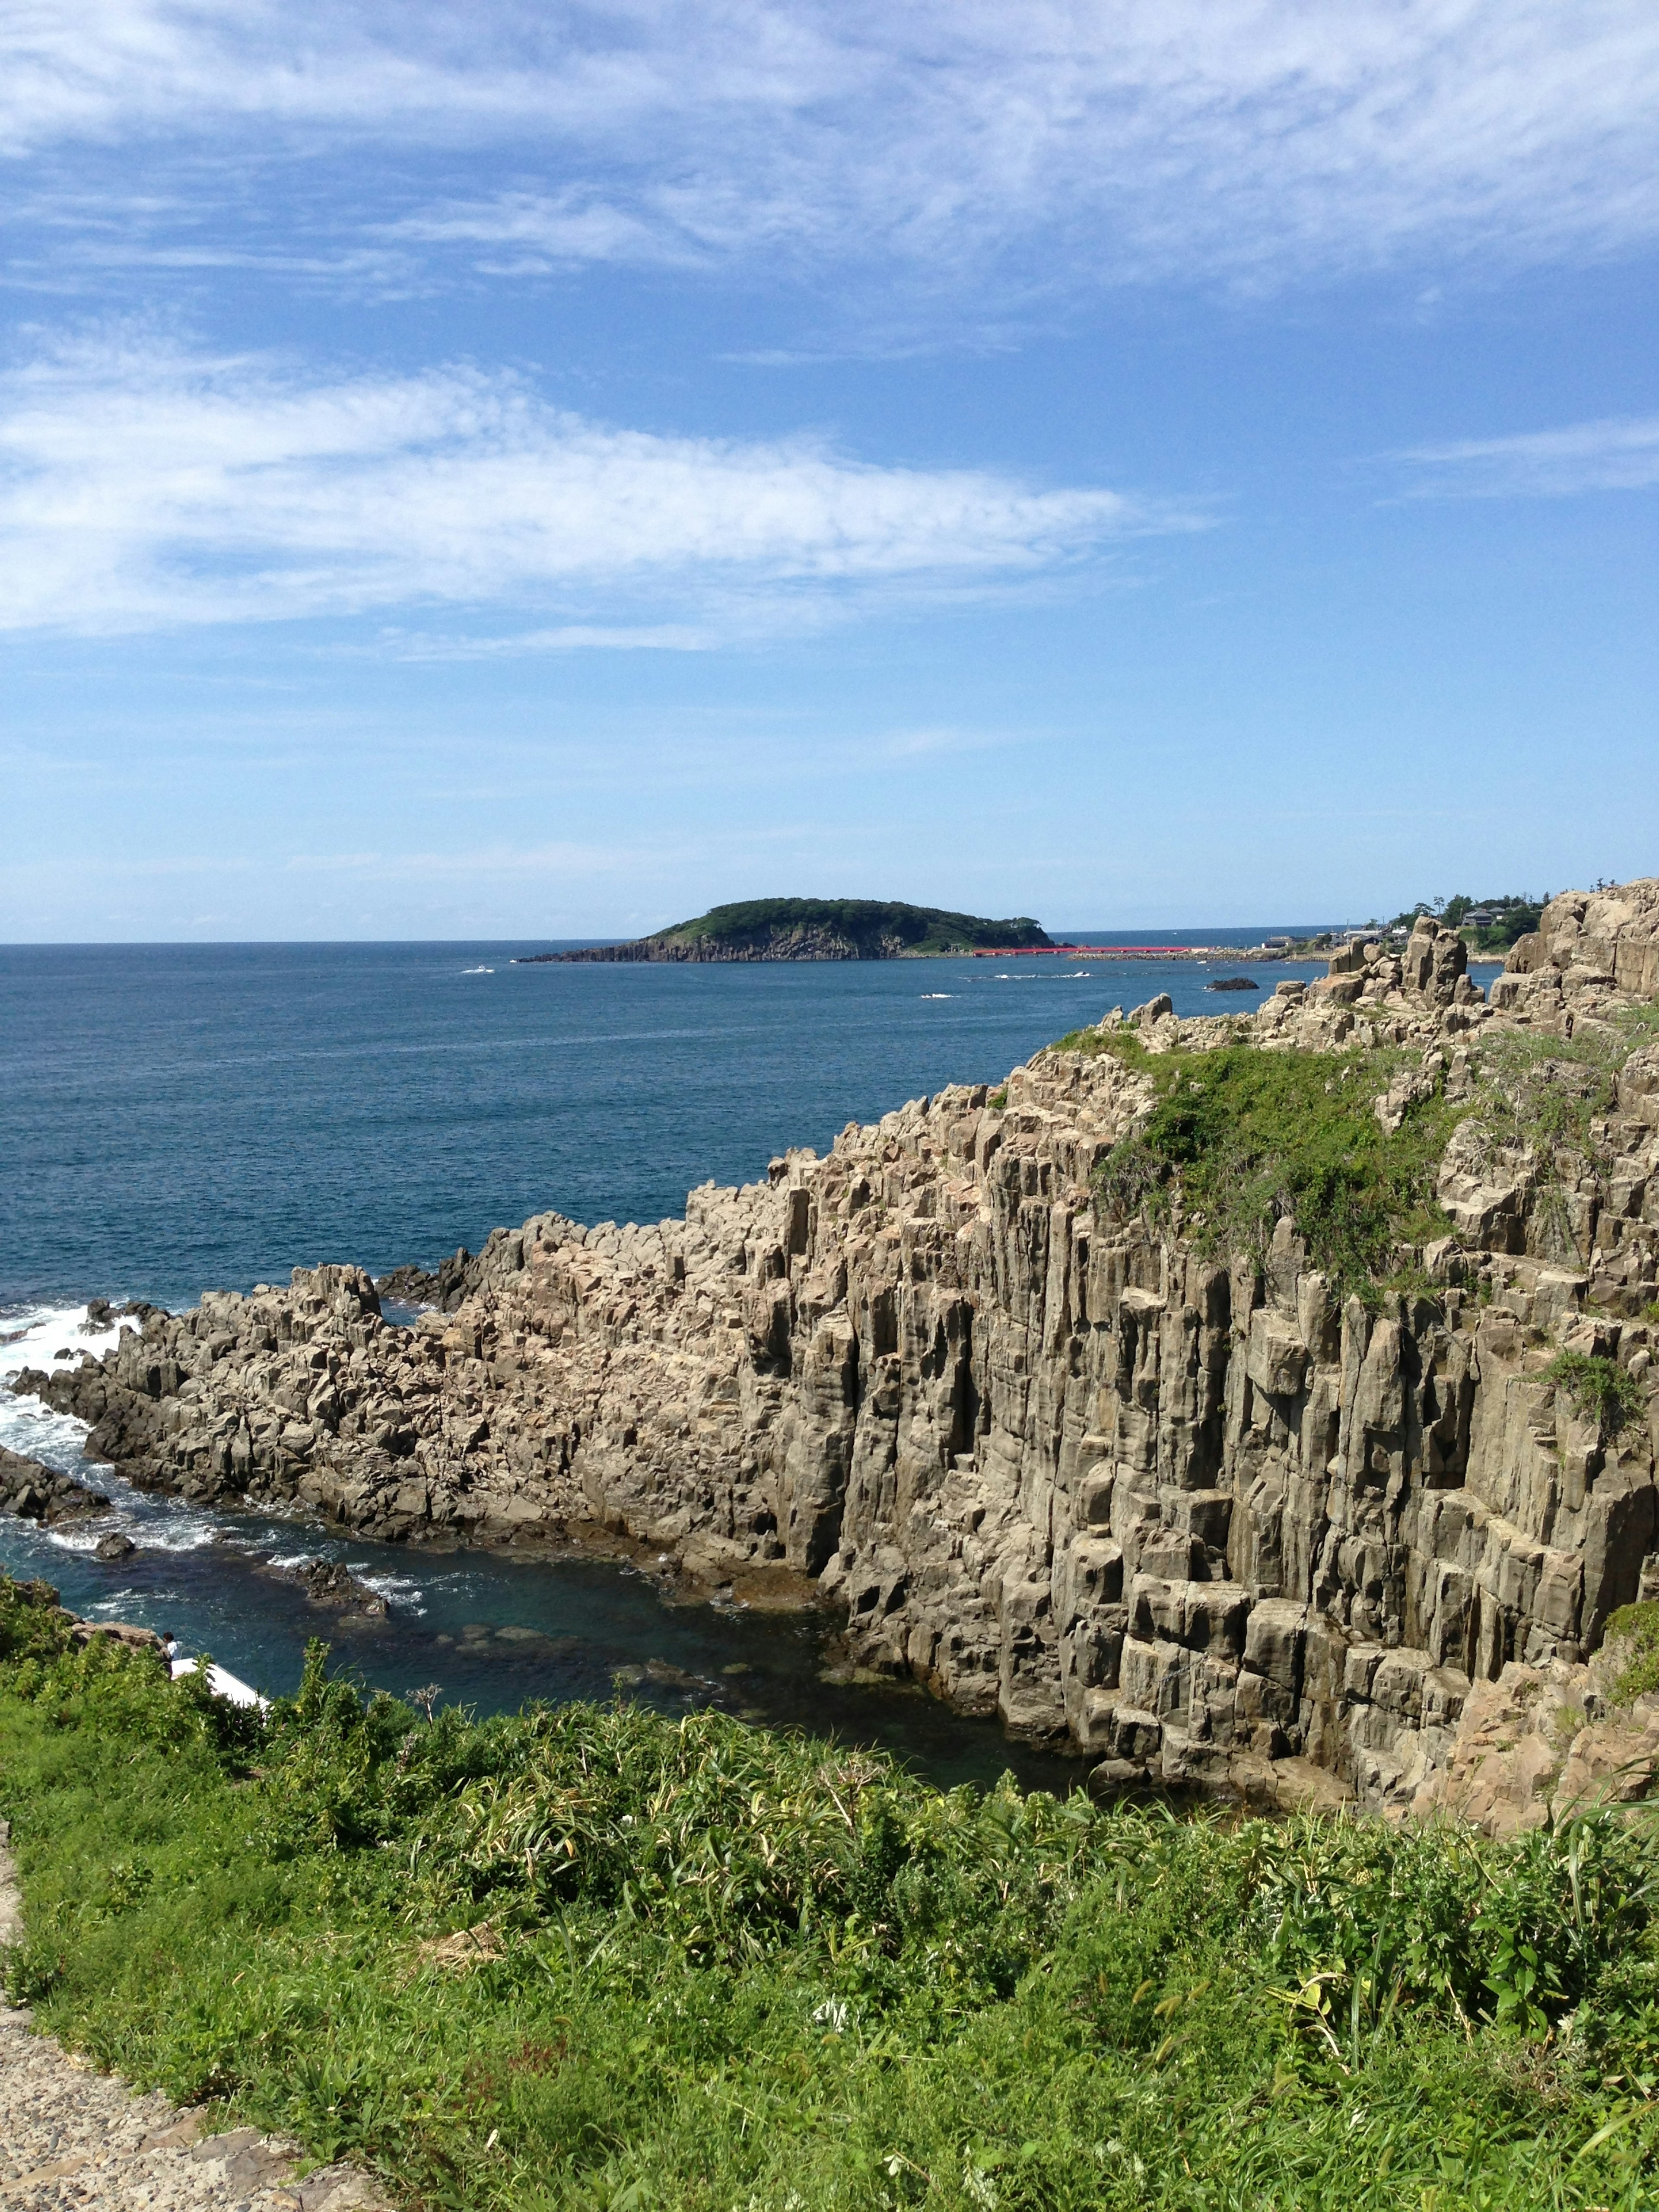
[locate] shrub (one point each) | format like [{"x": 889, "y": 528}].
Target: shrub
[
  {"x": 1636, "y": 1628},
  {"x": 591, "y": 1958},
  {"x": 1598, "y": 1389}
]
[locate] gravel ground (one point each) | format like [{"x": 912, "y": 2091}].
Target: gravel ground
[{"x": 73, "y": 2139}]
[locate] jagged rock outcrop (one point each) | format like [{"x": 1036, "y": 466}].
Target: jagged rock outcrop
[
  {"x": 33, "y": 1492},
  {"x": 329, "y": 1582},
  {"x": 1192, "y": 1512}
]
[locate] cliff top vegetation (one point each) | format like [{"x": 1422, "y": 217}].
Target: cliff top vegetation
[
  {"x": 1238, "y": 1138},
  {"x": 865, "y": 922},
  {"x": 590, "y": 1958}
]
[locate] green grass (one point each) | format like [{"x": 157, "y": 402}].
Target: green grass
[
  {"x": 1243, "y": 1136},
  {"x": 731, "y": 1970},
  {"x": 1549, "y": 1095},
  {"x": 1636, "y": 1628}
]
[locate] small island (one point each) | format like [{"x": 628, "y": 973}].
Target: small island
[{"x": 818, "y": 929}]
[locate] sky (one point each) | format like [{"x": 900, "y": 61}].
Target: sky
[{"x": 539, "y": 470}]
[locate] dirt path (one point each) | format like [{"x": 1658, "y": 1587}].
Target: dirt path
[{"x": 73, "y": 2139}]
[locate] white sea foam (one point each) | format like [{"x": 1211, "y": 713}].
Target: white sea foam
[
  {"x": 395, "y": 1590},
  {"x": 49, "y": 1337},
  {"x": 184, "y": 1532},
  {"x": 112, "y": 1607},
  {"x": 79, "y": 1539}
]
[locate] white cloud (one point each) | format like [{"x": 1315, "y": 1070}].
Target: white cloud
[
  {"x": 1250, "y": 139},
  {"x": 1613, "y": 455},
  {"x": 141, "y": 487}
]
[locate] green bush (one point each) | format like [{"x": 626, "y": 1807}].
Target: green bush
[
  {"x": 1598, "y": 1389},
  {"x": 713, "y": 1968},
  {"x": 1636, "y": 1628}
]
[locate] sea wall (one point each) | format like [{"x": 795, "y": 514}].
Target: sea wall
[{"x": 1192, "y": 1512}]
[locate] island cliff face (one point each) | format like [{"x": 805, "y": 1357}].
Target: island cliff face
[{"x": 1193, "y": 1511}]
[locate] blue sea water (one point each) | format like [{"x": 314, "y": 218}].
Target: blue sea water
[
  {"x": 183, "y": 1118},
  {"x": 180, "y": 1118}
]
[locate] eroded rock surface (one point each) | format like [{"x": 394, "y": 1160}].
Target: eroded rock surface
[
  {"x": 34, "y": 1492},
  {"x": 1202, "y": 1518}
]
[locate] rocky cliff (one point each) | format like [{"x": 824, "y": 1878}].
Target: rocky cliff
[{"x": 1218, "y": 1513}]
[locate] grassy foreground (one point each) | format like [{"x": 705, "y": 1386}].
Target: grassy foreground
[{"x": 592, "y": 1958}]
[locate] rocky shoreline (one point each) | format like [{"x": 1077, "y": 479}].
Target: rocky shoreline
[
  {"x": 34, "y": 1492},
  {"x": 1202, "y": 1520}
]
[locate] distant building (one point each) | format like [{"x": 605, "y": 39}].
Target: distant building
[{"x": 1480, "y": 917}]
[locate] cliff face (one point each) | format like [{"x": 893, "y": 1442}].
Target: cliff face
[
  {"x": 799, "y": 941},
  {"x": 1191, "y": 1510}
]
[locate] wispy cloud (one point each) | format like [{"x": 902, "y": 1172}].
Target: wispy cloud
[
  {"x": 1165, "y": 138},
  {"x": 1617, "y": 454},
  {"x": 141, "y": 487},
  {"x": 561, "y": 859}
]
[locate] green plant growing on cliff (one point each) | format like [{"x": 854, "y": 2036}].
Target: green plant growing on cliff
[
  {"x": 1598, "y": 1389},
  {"x": 1544, "y": 1096},
  {"x": 1636, "y": 1627},
  {"x": 1246, "y": 1137}
]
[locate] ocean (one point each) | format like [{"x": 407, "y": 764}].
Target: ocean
[{"x": 183, "y": 1118}]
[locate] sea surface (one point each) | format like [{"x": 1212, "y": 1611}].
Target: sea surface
[{"x": 183, "y": 1118}]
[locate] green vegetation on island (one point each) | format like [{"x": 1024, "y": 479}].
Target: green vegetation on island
[
  {"x": 867, "y": 923},
  {"x": 820, "y": 929},
  {"x": 596, "y": 1960}
]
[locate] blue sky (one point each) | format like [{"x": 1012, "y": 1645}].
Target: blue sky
[{"x": 539, "y": 470}]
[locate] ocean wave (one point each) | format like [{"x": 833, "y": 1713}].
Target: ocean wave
[
  {"x": 53, "y": 1338},
  {"x": 80, "y": 1539},
  {"x": 395, "y": 1590},
  {"x": 49, "y": 1337},
  {"x": 190, "y": 1535}
]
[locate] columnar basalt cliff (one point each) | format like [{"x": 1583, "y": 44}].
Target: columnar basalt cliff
[{"x": 1198, "y": 1510}]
